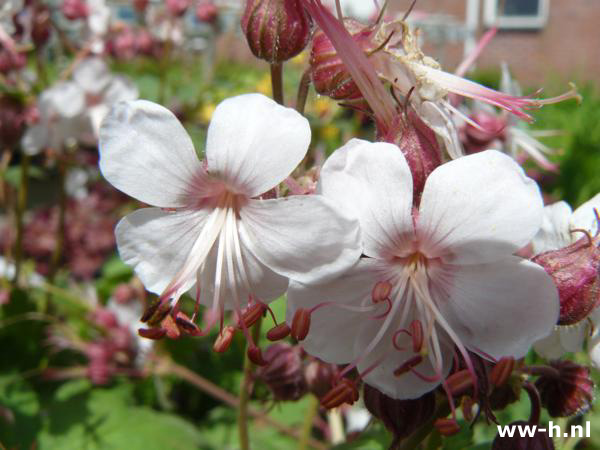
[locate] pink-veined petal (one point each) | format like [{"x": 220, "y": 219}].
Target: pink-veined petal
[
  {"x": 372, "y": 181},
  {"x": 305, "y": 238},
  {"x": 478, "y": 208},
  {"x": 333, "y": 329},
  {"x": 157, "y": 243},
  {"x": 253, "y": 143},
  {"x": 146, "y": 153},
  {"x": 498, "y": 308}
]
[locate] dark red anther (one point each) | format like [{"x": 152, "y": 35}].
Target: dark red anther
[
  {"x": 255, "y": 355},
  {"x": 152, "y": 333},
  {"x": 343, "y": 392},
  {"x": 300, "y": 324},
  {"x": 163, "y": 310},
  {"x": 224, "y": 339},
  {"x": 251, "y": 315},
  {"x": 408, "y": 365},
  {"x": 501, "y": 372},
  {"x": 459, "y": 382},
  {"x": 150, "y": 310},
  {"x": 447, "y": 427},
  {"x": 416, "y": 331},
  {"x": 279, "y": 332},
  {"x": 185, "y": 324}
]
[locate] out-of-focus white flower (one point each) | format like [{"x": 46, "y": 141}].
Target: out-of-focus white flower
[
  {"x": 98, "y": 20},
  {"x": 71, "y": 111},
  {"x": 558, "y": 231},
  {"x": 210, "y": 233},
  {"x": 8, "y": 9},
  {"x": 436, "y": 276}
]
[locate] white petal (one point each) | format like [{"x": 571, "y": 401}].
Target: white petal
[
  {"x": 99, "y": 16},
  {"x": 156, "y": 243},
  {"x": 372, "y": 181},
  {"x": 120, "y": 89},
  {"x": 301, "y": 237},
  {"x": 478, "y": 208},
  {"x": 92, "y": 75},
  {"x": 146, "y": 153},
  {"x": 554, "y": 232},
  {"x": 254, "y": 144},
  {"x": 438, "y": 119},
  {"x": 265, "y": 285},
  {"x": 550, "y": 347},
  {"x": 584, "y": 217},
  {"x": 34, "y": 139},
  {"x": 408, "y": 385},
  {"x": 500, "y": 308},
  {"x": 333, "y": 329},
  {"x": 65, "y": 99}
]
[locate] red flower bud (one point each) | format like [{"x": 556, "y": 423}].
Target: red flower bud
[
  {"x": 574, "y": 270},
  {"x": 566, "y": 391},
  {"x": 400, "y": 417},
  {"x": 74, "y": 9},
  {"x": 207, "y": 11},
  {"x": 329, "y": 73},
  {"x": 177, "y": 7},
  {"x": 283, "y": 372},
  {"x": 276, "y": 30}
]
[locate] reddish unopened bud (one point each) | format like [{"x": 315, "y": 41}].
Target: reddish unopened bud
[
  {"x": 283, "y": 372},
  {"x": 447, "y": 427},
  {"x": 491, "y": 128},
  {"x": 408, "y": 365},
  {"x": 74, "y": 9},
  {"x": 574, "y": 270},
  {"x": 343, "y": 392},
  {"x": 223, "y": 341},
  {"x": 255, "y": 355},
  {"x": 329, "y": 74},
  {"x": 276, "y": 30},
  {"x": 11, "y": 60},
  {"x": 177, "y": 7},
  {"x": 400, "y": 417},
  {"x": 251, "y": 315},
  {"x": 124, "y": 292},
  {"x": 104, "y": 318},
  {"x": 206, "y": 11},
  {"x": 567, "y": 390},
  {"x": 381, "y": 291},
  {"x": 152, "y": 333},
  {"x": 279, "y": 332},
  {"x": 300, "y": 324},
  {"x": 41, "y": 25},
  {"x": 140, "y": 5},
  {"x": 460, "y": 382},
  {"x": 502, "y": 371},
  {"x": 539, "y": 441},
  {"x": 419, "y": 146}
]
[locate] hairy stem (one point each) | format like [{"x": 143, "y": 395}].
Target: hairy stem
[
  {"x": 277, "y": 82},
  {"x": 19, "y": 212},
  {"x": 303, "y": 91},
  {"x": 245, "y": 392}
]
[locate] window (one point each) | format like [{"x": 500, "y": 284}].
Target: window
[{"x": 516, "y": 14}]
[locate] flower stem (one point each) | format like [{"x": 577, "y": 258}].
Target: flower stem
[
  {"x": 60, "y": 230},
  {"x": 277, "y": 82},
  {"x": 19, "y": 212},
  {"x": 303, "y": 91},
  {"x": 245, "y": 392},
  {"x": 309, "y": 418}
]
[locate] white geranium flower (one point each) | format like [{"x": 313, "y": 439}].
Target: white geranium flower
[
  {"x": 436, "y": 276},
  {"x": 559, "y": 230},
  {"x": 73, "y": 110},
  {"x": 209, "y": 231}
]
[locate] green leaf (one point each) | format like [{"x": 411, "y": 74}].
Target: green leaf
[{"x": 19, "y": 412}]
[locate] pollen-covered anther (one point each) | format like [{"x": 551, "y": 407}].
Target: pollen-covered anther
[
  {"x": 447, "y": 427},
  {"x": 381, "y": 291},
  {"x": 255, "y": 355},
  {"x": 408, "y": 365},
  {"x": 224, "y": 339},
  {"x": 152, "y": 333},
  {"x": 459, "y": 382},
  {"x": 300, "y": 324},
  {"x": 343, "y": 392},
  {"x": 279, "y": 332},
  {"x": 251, "y": 315},
  {"x": 502, "y": 371}
]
